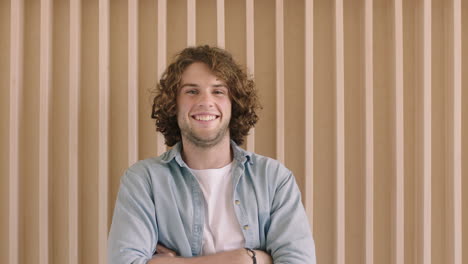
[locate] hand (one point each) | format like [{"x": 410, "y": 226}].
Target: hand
[
  {"x": 162, "y": 251},
  {"x": 263, "y": 257},
  {"x": 239, "y": 256}
]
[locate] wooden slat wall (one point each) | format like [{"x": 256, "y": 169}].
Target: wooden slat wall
[
  {"x": 73, "y": 128},
  {"x": 104, "y": 137},
  {"x": 162, "y": 43},
  {"x": 44, "y": 123},
  {"x": 16, "y": 87},
  {"x": 132, "y": 81},
  {"x": 191, "y": 22},
  {"x": 279, "y": 6},
  {"x": 369, "y": 131},
  {"x": 455, "y": 256},
  {"x": 399, "y": 230},
  {"x": 396, "y": 124},
  {"x": 426, "y": 150},
  {"x": 309, "y": 106},
  {"x": 340, "y": 218},
  {"x": 250, "y": 51}
]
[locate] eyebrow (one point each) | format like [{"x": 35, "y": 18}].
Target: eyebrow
[
  {"x": 196, "y": 85},
  {"x": 188, "y": 84}
]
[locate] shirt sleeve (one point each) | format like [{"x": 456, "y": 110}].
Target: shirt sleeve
[
  {"x": 289, "y": 239},
  {"x": 134, "y": 233}
]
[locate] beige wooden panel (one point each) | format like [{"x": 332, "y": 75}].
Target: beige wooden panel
[
  {"x": 89, "y": 166},
  {"x": 16, "y": 37},
  {"x": 235, "y": 29},
  {"x": 45, "y": 90},
  {"x": 28, "y": 137},
  {"x": 250, "y": 57},
  {"x": 206, "y": 27},
  {"x": 440, "y": 112},
  {"x": 399, "y": 222},
  {"x": 265, "y": 69},
  {"x": 119, "y": 96},
  {"x": 411, "y": 84},
  {"x": 235, "y": 33},
  {"x": 455, "y": 190},
  {"x": 105, "y": 119},
  {"x": 177, "y": 25},
  {"x": 148, "y": 42},
  {"x": 464, "y": 143},
  {"x": 133, "y": 9},
  {"x": 162, "y": 56},
  {"x": 279, "y": 49},
  {"x": 384, "y": 130},
  {"x": 63, "y": 168},
  {"x": 324, "y": 116},
  {"x": 73, "y": 127},
  {"x": 294, "y": 76},
  {"x": 355, "y": 124},
  {"x": 191, "y": 22},
  {"x": 427, "y": 133},
  {"x": 369, "y": 129},
  {"x": 220, "y": 24},
  {"x": 340, "y": 173},
  {"x": 4, "y": 129},
  {"x": 309, "y": 106}
]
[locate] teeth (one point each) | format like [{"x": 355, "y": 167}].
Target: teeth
[{"x": 205, "y": 117}]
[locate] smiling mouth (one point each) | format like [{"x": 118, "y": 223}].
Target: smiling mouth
[{"x": 205, "y": 117}]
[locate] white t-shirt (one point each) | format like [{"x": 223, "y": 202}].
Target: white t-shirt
[{"x": 222, "y": 231}]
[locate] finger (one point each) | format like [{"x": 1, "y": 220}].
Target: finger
[
  {"x": 169, "y": 254},
  {"x": 164, "y": 255},
  {"x": 160, "y": 249}
]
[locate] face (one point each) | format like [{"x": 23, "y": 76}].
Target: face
[{"x": 203, "y": 107}]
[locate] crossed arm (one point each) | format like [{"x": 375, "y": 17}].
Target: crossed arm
[
  {"x": 238, "y": 256},
  {"x": 133, "y": 236}
]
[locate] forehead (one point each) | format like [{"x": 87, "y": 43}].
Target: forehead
[{"x": 198, "y": 71}]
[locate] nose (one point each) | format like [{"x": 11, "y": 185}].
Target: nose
[{"x": 205, "y": 99}]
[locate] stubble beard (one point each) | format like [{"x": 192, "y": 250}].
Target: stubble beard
[{"x": 198, "y": 141}]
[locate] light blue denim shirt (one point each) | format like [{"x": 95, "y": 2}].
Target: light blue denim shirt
[{"x": 160, "y": 201}]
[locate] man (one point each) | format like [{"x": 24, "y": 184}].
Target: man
[{"x": 207, "y": 200}]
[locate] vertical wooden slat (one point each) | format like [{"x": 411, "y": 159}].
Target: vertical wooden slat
[
  {"x": 279, "y": 80},
  {"x": 250, "y": 51},
  {"x": 16, "y": 86},
  {"x": 340, "y": 133},
  {"x": 309, "y": 111},
  {"x": 45, "y": 82},
  {"x": 191, "y": 22},
  {"x": 73, "y": 128},
  {"x": 132, "y": 81},
  {"x": 220, "y": 27},
  {"x": 427, "y": 133},
  {"x": 399, "y": 137},
  {"x": 162, "y": 41},
  {"x": 104, "y": 118},
  {"x": 369, "y": 129},
  {"x": 457, "y": 133}
]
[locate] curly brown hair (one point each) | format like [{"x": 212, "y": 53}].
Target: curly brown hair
[{"x": 242, "y": 92}]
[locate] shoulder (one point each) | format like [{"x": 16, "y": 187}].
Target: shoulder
[
  {"x": 156, "y": 165},
  {"x": 268, "y": 168},
  {"x": 146, "y": 170}
]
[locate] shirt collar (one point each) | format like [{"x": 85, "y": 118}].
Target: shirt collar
[{"x": 240, "y": 155}]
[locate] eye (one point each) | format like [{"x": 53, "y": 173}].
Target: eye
[
  {"x": 191, "y": 91},
  {"x": 220, "y": 91}
]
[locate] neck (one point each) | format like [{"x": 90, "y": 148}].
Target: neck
[{"x": 214, "y": 157}]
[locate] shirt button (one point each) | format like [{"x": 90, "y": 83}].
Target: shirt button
[
  {"x": 237, "y": 202},
  {"x": 246, "y": 227}
]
